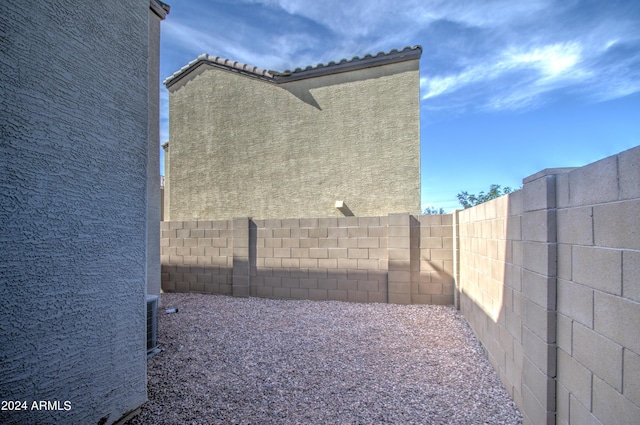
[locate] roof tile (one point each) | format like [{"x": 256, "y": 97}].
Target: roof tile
[{"x": 368, "y": 60}]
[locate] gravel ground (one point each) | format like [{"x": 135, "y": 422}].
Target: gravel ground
[{"x": 262, "y": 361}]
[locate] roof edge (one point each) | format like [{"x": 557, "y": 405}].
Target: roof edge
[
  {"x": 159, "y": 8},
  {"x": 218, "y": 62},
  {"x": 353, "y": 64},
  {"x": 344, "y": 65}
]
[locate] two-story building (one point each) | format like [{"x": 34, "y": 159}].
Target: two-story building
[{"x": 328, "y": 140}]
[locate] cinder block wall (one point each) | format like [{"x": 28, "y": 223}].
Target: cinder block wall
[
  {"x": 321, "y": 259},
  {"x": 197, "y": 256},
  {"x": 490, "y": 283},
  {"x": 548, "y": 278},
  {"x": 549, "y": 281},
  {"x": 396, "y": 258},
  {"x": 598, "y": 298},
  {"x": 435, "y": 275}
]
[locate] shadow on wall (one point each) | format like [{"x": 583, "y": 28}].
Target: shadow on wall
[
  {"x": 350, "y": 285},
  {"x": 433, "y": 265},
  {"x": 490, "y": 282},
  {"x": 197, "y": 278},
  {"x": 348, "y": 259},
  {"x": 483, "y": 254},
  {"x": 508, "y": 286},
  {"x": 548, "y": 279}
]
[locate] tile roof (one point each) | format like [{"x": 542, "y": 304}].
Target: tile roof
[
  {"x": 159, "y": 8},
  {"x": 344, "y": 65}
]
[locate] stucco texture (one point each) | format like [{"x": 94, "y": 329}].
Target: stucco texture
[
  {"x": 153, "y": 159},
  {"x": 73, "y": 126},
  {"x": 241, "y": 146}
]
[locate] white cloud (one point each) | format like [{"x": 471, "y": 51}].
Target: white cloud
[
  {"x": 490, "y": 13},
  {"x": 551, "y": 60},
  {"x": 515, "y": 78},
  {"x": 188, "y": 37},
  {"x": 495, "y": 54},
  {"x": 358, "y": 18},
  {"x": 439, "y": 85},
  {"x": 196, "y": 41},
  {"x": 531, "y": 56}
]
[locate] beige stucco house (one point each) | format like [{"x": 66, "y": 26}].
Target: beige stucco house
[{"x": 330, "y": 140}]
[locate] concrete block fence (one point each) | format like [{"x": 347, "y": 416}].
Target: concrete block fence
[
  {"x": 598, "y": 292},
  {"x": 396, "y": 258},
  {"x": 548, "y": 277}
]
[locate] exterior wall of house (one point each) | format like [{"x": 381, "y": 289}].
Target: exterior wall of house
[
  {"x": 73, "y": 175},
  {"x": 240, "y": 146},
  {"x": 166, "y": 192}
]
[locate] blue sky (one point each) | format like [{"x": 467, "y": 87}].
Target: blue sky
[{"x": 507, "y": 87}]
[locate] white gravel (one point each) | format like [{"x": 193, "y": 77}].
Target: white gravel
[{"x": 232, "y": 360}]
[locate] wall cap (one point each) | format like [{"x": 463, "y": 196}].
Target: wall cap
[
  {"x": 159, "y": 8},
  {"x": 547, "y": 172}
]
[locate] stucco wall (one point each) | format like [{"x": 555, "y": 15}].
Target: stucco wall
[
  {"x": 240, "y": 146},
  {"x": 73, "y": 152},
  {"x": 156, "y": 14}
]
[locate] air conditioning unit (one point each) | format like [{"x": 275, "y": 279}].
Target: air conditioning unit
[{"x": 152, "y": 325}]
